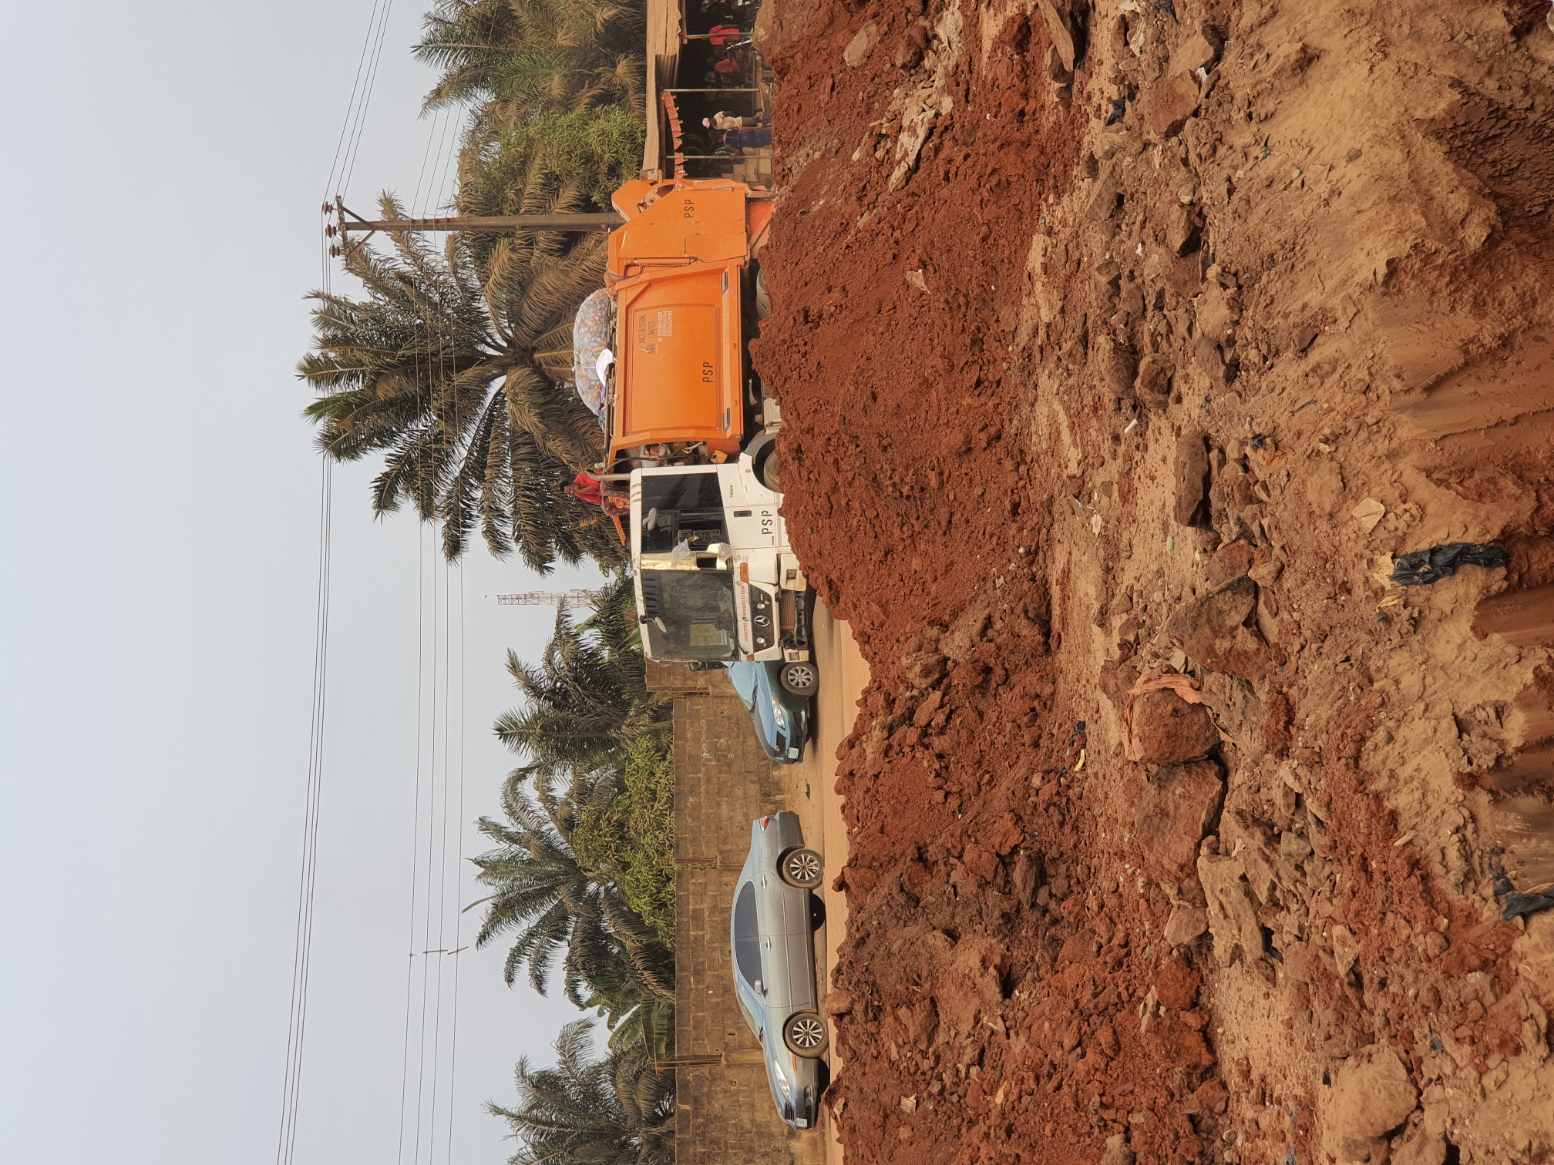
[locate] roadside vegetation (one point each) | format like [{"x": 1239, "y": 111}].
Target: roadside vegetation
[{"x": 451, "y": 366}]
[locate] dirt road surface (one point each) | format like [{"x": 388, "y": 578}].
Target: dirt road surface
[
  {"x": 1123, "y": 350},
  {"x": 843, "y": 675}
]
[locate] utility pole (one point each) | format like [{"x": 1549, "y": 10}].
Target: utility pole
[
  {"x": 572, "y": 598},
  {"x": 348, "y": 222}
]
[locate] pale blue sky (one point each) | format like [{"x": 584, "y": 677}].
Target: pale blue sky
[{"x": 162, "y": 167}]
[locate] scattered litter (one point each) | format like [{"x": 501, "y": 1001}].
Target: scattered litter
[
  {"x": 1167, "y": 7},
  {"x": 1521, "y": 904},
  {"x": 1307, "y": 405},
  {"x": 1079, "y": 765},
  {"x": 1404, "y": 840},
  {"x": 1119, "y": 107},
  {"x": 1427, "y": 566},
  {"x": 1259, "y": 441},
  {"x": 1131, "y": 426},
  {"x": 916, "y": 279},
  {"x": 1095, "y": 524},
  {"x": 1170, "y": 543},
  {"x": 909, "y": 1104}
]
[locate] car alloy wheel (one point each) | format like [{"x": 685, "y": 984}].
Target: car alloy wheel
[
  {"x": 800, "y": 678},
  {"x": 805, "y": 1034},
  {"x": 801, "y": 867}
]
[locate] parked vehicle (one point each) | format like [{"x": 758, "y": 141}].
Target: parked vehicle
[
  {"x": 781, "y": 718},
  {"x": 772, "y": 935}
]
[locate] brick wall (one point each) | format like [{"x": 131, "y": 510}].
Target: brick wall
[{"x": 723, "y": 781}]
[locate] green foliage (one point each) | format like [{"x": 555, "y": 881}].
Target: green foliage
[
  {"x": 614, "y": 1111},
  {"x": 586, "y": 697},
  {"x": 512, "y": 59},
  {"x": 625, "y": 833},
  {"x": 542, "y": 896},
  {"x": 446, "y": 368},
  {"x": 554, "y": 161}
]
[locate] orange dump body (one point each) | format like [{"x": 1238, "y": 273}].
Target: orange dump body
[{"x": 675, "y": 272}]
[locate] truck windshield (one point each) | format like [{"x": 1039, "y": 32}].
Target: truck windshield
[{"x": 690, "y": 614}]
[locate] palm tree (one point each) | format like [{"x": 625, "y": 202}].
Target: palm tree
[
  {"x": 614, "y": 1111},
  {"x": 442, "y": 367},
  {"x": 555, "y": 906},
  {"x": 587, "y": 696},
  {"x": 513, "y": 59}
]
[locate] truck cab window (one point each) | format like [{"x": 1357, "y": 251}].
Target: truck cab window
[{"x": 682, "y": 508}]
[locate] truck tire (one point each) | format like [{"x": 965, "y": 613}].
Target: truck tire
[
  {"x": 763, "y": 301},
  {"x": 763, "y": 459},
  {"x": 802, "y": 678}
]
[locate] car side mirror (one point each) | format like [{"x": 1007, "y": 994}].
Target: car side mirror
[{"x": 760, "y": 986}]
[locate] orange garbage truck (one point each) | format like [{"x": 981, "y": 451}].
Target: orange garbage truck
[
  {"x": 686, "y": 286},
  {"x": 691, "y": 427}
]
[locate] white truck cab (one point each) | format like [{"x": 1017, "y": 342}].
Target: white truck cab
[{"x": 715, "y": 578}]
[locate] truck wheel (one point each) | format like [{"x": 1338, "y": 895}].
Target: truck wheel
[
  {"x": 802, "y": 679},
  {"x": 801, "y": 867},
  {"x": 763, "y": 302},
  {"x": 805, "y": 1034},
  {"x": 767, "y": 471},
  {"x": 763, "y": 459}
]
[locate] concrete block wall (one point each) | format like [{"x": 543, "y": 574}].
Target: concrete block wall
[{"x": 723, "y": 781}]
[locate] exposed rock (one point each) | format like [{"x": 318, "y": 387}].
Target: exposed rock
[
  {"x": 1117, "y": 1151},
  {"x": 837, "y": 1003},
  {"x": 1185, "y": 924},
  {"x": 1179, "y": 803},
  {"x": 861, "y": 45},
  {"x": 1199, "y": 52},
  {"x": 1119, "y": 365},
  {"x": 1418, "y": 1146},
  {"x": 1062, "y": 38},
  {"x": 1230, "y": 561},
  {"x": 1371, "y": 1095},
  {"x": 1231, "y": 918},
  {"x": 1192, "y": 477},
  {"x": 1172, "y": 102},
  {"x": 1294, "y": 846},
  {"x": 1167, "y": 730},
  {"x": 1153, "y": 384},
  {"x": 1211, "y": 629},
  {"x": 1346, "y": 948}
]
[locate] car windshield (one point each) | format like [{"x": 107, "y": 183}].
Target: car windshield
[{"x": 690, "y": 614}]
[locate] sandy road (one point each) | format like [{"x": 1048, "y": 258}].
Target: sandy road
[{"x": 843, "y": 675}]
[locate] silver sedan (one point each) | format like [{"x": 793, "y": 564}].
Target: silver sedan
[{"x": 775, "y": 916}]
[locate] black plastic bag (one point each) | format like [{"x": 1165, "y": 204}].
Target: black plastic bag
[
  {"x": 1438, "y": 562},
  {"x": 1525, "y": 904}
]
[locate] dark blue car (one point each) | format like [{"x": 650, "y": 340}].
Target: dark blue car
[{"x": 781, "y": 718}]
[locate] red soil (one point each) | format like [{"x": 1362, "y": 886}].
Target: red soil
[{"x": 1022, "y": 387}]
